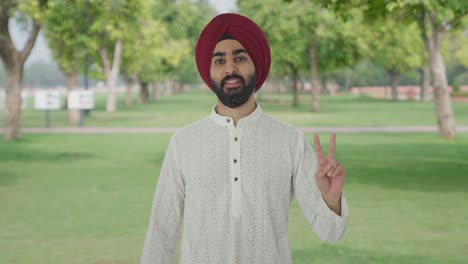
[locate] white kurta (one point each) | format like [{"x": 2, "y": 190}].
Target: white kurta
[{"x": 231, "y": 188}]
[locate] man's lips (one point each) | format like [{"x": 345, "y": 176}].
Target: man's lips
[{"x": 232, "y": 83}]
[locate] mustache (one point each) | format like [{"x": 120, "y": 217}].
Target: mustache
[{"x": 224, "y": 80}]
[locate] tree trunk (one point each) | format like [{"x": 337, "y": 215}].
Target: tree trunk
[
  {"x": 112, "y": 73},
  {"x": 270, "y": 90},
  {"x": 144, "y": 93},
  {"x": 12, "y": 111},
  {"x": 445, "y": 119},
  {"x": 293, "y": 83},
  {"x": 168, "y": 87},
  {"x": 179, "y": 87},
  {"x": 282, "y": 89},
  {"x": 156, "y": 92},
  {"x": 425, "y": 82},
  {"x": 425, "y": 71},
  {"x": 129, "y": 91},
  {"x": 324, "y": 85},
  {"x": 394, "y": 81},
  {"x": 347, "y": 80},
  {"x": 72, "y": 81},
  {"x": 433, "y": 41},
  {"x": 300, "y": 85},
  {"x": 13, "y": 60},
  {"x": 313, "y": 77}
]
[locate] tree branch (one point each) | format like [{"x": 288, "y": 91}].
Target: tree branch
[
  {"x": 24, "y": 53},
  {"x": 117, "y": 54},
  {"x": 458, "y": 18},
  {"x": 105, "y": 60},
  {"x": 7, "y": 47}
]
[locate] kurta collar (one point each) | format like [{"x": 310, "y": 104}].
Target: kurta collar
[{"x": 228, "y": 122}]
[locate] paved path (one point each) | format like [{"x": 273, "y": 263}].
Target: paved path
[{"x": 125, "y": 130}]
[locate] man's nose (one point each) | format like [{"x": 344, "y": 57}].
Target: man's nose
[{"x": 230, "y": 68}]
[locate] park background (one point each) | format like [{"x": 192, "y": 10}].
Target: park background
[{"x": 81, "y": 192}]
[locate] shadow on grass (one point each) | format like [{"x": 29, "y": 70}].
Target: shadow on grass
[
  {"x": 24, "y": 154},
  {"x": 340, "y": 254},
  {"x": 8, "y": 178},
  {"x": 14, "y": 154},
  {"x": 431, "y": 167}
]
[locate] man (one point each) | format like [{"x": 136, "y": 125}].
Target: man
[{"x": 231, "y": 177}]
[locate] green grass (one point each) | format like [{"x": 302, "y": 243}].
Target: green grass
[
  {"x": 87, "y": 199},
  {"x": 182, "y": 109}
]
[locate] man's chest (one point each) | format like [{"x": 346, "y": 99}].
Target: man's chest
[{"x": 253, "y": 165}]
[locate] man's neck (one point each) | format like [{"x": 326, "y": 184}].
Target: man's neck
[{"x": 239, "y": 112}]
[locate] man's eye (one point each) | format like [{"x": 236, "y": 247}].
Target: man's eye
[
  {"x": 241, "y": 58},
  {"x": 219, "y": 61}
]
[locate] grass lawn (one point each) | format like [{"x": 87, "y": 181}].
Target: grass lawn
[
  {"x": 87, "y": 198},
  {"x": 182, "y": 109}
]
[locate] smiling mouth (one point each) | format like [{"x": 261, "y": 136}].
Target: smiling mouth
[{"x": 232, "y": 83}]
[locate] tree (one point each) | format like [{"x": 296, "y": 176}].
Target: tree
[
  {"x": 67, "y": 35},
  {"x": 185, "y": 20},
  {"x": 287, "y": 42},
  {"x": 394, "y": 46},
  {"x": 435, "y": 18},
  {"x": 108, "y": 33},
  {"x": 31, "y": 11},
  {"x": 302, "y": 28}
]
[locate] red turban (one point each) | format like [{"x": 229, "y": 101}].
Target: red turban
[{"x": 244, "y": 30}]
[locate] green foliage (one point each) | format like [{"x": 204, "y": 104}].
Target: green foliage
[
  {"x": 395, "y": 46},
  {"x": 185, "y": 20},
  {"x": 292, "y": 27},
  {"x": 77, "y": 29},
  {"x": 162, "y": 43},
  {"x": 30, "y": 9},
  {"x": 341, "y": 44},
  {"x": 67, "y": 33},
  {"x": 455, "y": 46},
  {"x": 461, "y": 79}
]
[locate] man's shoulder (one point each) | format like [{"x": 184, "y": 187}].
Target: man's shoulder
[
  {"x": 193, "y": 128},
  {"x": 279, "y": 126}
]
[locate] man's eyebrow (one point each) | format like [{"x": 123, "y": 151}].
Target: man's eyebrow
[
  {"x": 239, "y": 51},
  {"x": 220, "y": 54},
  {"x": 234, "y": 52}
]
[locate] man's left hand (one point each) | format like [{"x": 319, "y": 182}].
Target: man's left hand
[{"x": 330, "y": 175}]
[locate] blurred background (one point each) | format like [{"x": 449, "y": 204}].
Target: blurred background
[{"x": 92, "y": 90}]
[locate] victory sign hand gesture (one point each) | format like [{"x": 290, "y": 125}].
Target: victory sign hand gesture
[{"x": 330, "y": 174}]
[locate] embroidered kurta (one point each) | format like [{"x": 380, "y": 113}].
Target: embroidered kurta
[{"x": 225, "y": 190}]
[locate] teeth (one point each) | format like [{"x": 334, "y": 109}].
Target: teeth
[{"x": 232, "y": 81}]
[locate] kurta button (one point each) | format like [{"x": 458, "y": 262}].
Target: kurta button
[
  {"x": 235, "y": 161},
  {"x": 235, "y": 139},
  {"x": 235, "y": 179},
  {"x": 228, "y": 120}
]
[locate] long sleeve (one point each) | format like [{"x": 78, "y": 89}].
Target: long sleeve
[
  {"x": 327, "y": 225},
  {"x": 164, "y": 227}
]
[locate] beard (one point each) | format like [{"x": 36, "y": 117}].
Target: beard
[{"x": 235, "y": 97}]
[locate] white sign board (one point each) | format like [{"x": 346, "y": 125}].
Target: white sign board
[
  {"x": 80, "y": 100},
  {"x": 3, "y": 100},
  {"x": 47, "y": 100},
  {"x": 24, "y": 99}
]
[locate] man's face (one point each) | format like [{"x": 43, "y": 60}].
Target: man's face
[{"x": 232, "y": 73}]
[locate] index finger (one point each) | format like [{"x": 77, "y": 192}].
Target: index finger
[
  {"x": 331, "y": 148},
  {"x": 318, "y": 148}
]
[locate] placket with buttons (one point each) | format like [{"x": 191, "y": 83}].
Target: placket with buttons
[{"x": 236, "y": 180}]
